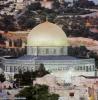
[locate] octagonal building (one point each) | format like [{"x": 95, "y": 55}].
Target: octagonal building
[
  {"x": 47, "y": 39},
  {"x": 47, "y": 44}
]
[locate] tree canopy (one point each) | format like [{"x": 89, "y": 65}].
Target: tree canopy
[
  {"x": 27, "y": 77},
  {"x": 37, "y": 92},
  {"x": 2, "y": 78}
]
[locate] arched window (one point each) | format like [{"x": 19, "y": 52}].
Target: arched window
[
  {"x": 83, "y": 68},
  {"x": 80, "y": 67},
  {"x": 6, "y": 68},
  {"x": 93, "y": 68},
  {"x": 14, "y": 68},
  {"x": 86, "y": 68},
  {"x": 54, "y": 51},
  {"x": 38, "y": 51},
  {"x": 47, "y": 51},
  {"x": 62, "y": 50},
  {"x": 11, "y": 70},
  {"x": 90, "y": 68}
]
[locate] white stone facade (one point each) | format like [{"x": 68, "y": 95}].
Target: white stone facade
[
  {"x": 47, "y": 44},
  {"x": 78, "y": 67}
]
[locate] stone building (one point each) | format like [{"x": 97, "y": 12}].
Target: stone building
[{"x": 47, "y": 44}]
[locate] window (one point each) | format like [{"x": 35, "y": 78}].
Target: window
[
  {"x": 31, "y": 51},
  {"x": 80, "y": 67},
  {"x": 38, "y": 51},
  {"x": 86, "y": 68},
  {"x": 8, "y": 68},
  {"x": 11, "y": 70},
  {"x": 90, "y": 69},
  {"x": 93, "y": 68},
  {"x": 14, "y": 68},
  {"x": 54, "y": 51},
  {"x": 47, "y": 51},
  {"x": 62, "y": 50}
]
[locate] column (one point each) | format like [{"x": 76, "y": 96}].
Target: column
[
  {"x": 93, "y": 68},
  {"x": 85, "y": 68},
  {"x": 5, "y": 69},
  {"x": 14, "y": 68}
]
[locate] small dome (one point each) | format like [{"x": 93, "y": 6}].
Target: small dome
[{"x": 47, "y": 34}]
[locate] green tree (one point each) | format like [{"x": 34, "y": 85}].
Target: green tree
[
  {"x": 27, "y": 77},
  {"x": 8, "y": 23},
  {"x": 30, "y": 23},
  {"x": 2, "y": 78},
  {"x": 34, "y": 6},
  {"x": 37, "y": 92},
  {"x": 41, "y": 71}
]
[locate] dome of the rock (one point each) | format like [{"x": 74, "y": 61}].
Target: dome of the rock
[{"x": 47, "y": 34}]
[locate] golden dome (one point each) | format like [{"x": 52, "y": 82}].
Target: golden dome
[{"x": 47, "y": 34}]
